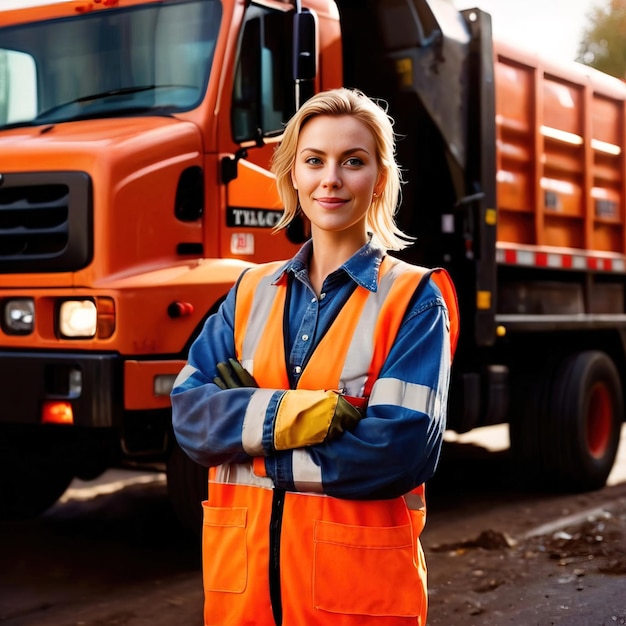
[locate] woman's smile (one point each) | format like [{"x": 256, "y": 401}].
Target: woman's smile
[{"x": 330, "y": 202}]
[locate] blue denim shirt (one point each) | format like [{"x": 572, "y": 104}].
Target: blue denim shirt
[{"x": 309, "y": 316}]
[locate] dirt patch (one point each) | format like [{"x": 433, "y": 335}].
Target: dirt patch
[
  {"x": 505, "y": 575},
  {"x": 598, "y": 542}
]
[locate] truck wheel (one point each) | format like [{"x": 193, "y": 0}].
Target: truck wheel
[
  {"x": 29, "y": 487},
  {"x": 187, "y": 487},
  {"x": 568, "y": 435},
  {"x": 585, "y": 420}
]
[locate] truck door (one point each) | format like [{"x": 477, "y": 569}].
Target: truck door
[{"x": 262, "y": 101}]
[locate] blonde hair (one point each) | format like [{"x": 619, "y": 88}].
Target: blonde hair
[{"x": 335, "y": 102}]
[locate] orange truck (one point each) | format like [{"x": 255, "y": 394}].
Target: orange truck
[{"x": 135, "y": 141}]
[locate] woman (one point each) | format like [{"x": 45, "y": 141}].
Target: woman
[{"x": 317, "y": 396}]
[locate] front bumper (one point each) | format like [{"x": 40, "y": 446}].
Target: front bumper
[{"x": 28, "y": 379}]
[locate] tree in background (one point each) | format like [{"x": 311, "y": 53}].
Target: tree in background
[{"x": 603, "y": 45}]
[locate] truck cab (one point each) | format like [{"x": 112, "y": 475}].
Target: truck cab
[{"x": 135, "y": 140}]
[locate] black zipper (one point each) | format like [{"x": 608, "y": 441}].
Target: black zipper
[{"x": 276, "y": 522}]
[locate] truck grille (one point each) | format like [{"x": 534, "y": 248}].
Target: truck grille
[{"x": 45, "y": 222}]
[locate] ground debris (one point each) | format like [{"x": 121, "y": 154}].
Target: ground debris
[
  {"x": 487, "y": 540},
  {"x": 488, "y": 585},
  {"x": 475, "y": 608},
  {"x": 594, "y": 538},
  {"x": 596, "y": 544},
  {"x": 614, "y": 566}
]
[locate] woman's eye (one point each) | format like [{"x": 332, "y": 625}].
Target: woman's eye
[
  {"x": 354, "y": 162},
  {"x": 313, "y": 161}
]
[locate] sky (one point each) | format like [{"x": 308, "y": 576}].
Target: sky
[{"x": 552, "y": 27}]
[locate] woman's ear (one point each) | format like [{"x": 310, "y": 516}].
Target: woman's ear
[
  {"x": 379, "y": 187},
  {"x": 293, "y": 180}
]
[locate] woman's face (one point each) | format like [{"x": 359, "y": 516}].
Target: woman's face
[{"x": 336, "y": 174}]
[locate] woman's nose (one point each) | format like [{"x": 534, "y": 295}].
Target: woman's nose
[{"x": 331, "y": 177}]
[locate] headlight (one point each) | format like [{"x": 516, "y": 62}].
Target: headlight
[
  {"x": 19, "y": 316},
  {"x": 78, "y": 318},
  {"x": 163, "y": 384}
]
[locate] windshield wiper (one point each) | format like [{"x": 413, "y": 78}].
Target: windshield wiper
[
  {"x": 122, "y": 91},
  {"x": 97, "y": 96}
]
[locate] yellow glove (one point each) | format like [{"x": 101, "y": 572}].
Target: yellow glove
[{"x": 307, "y": 417}]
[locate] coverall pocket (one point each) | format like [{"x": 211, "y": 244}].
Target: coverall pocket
[
  {"x": 365, "y": 570},
  {"x": 224, "y": 554}
]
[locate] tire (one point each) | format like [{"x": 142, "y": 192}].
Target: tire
[
  {"x": 187, "y": 488},
  {"x": 567, "y": 430},
  {"x": 28, "y": 487}
]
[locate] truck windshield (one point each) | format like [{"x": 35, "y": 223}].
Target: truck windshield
[{"x": 152, "y": 58}]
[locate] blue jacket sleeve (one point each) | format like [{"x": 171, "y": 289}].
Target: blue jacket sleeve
[{"x": 207, "y": 420}]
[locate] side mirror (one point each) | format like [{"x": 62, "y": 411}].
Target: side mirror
[
  {"x": 304, "y": 55},
  {"x": 18, "y": 87}
]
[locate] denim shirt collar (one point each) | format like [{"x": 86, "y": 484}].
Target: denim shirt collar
[{"x": 363, "y": 266}]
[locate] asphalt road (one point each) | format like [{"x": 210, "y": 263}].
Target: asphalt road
[{"x": 111, "y": 553}]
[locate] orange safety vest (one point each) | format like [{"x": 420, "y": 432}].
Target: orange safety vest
[{"x": 341, "y": 562}]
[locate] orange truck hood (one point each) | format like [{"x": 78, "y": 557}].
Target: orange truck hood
[{"x": 77, "y": 144}]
